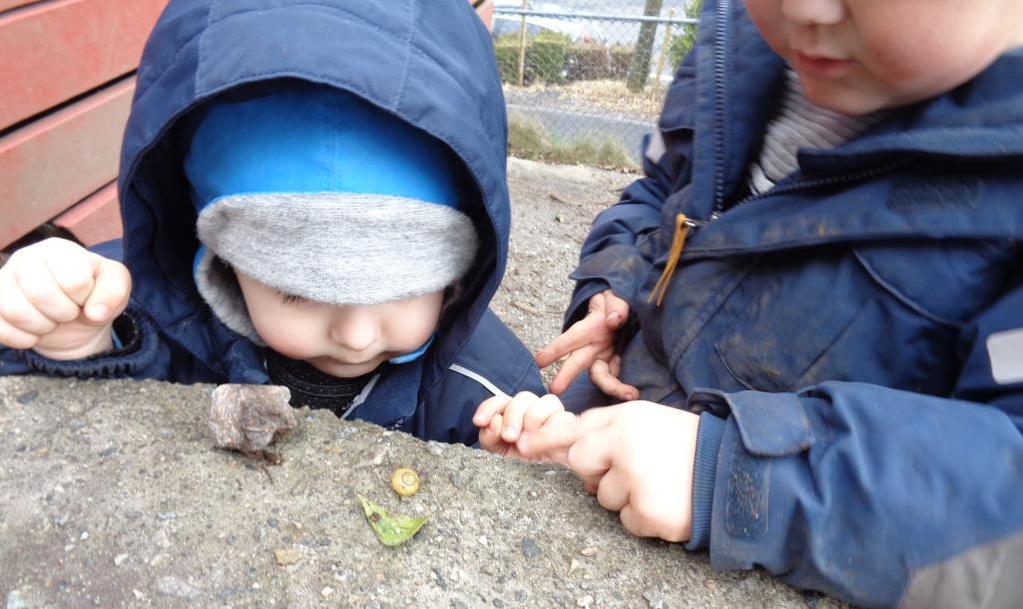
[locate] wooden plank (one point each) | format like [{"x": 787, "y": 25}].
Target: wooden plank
[
  {"x": 96, "y": 219},
  {"x": 59, "y": 160},
  {"x": 54, "y": 51}
]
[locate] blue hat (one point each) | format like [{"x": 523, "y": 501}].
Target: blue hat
[{"x": 317, "y": 193}]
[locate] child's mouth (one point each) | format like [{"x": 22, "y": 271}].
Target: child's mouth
[{"x": 821, "y": 67}]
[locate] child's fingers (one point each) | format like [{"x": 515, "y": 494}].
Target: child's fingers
[
  {"x": 613, "y": 490},
  {"x": 591, "y": 456},
  {"x": 564, "y": 429},
  {"x": 541, "y": 410},
  {"x": 495, "y": 428},
  {"x": 602, "y": 377},
  {"x": 641, "y": 520},
  {"x": 490, "y": 436},
  {"x": 552, "y": 441},
  {"x": 15, "y": 338},
  {"x": 615, "y": 366},
  {"x": 17, "y": 311},
  {"x": 579, "y": 361},
  {"x": 73, "y": 272},
  {"x": 109, "y": 293},
  {"x": 577, "y": 336},
  {"x": 616, "y": 309},
  {"x": 486, "y": 411},
  {"x": 635, "y": 523},
  {"x": 34, "y": 279},
  {"x": 514, "y": 413},
  {"x": 489, "y": 441},
  {"x": 592, "y": 452}
]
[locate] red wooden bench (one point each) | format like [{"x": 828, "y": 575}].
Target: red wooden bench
[{"x": 66, "y": 81}]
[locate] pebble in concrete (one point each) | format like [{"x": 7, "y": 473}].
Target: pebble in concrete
[
  {"x": 172, "y": 586},
  {"x": 14, "y": 601},
  {"x": 530, "y": 549}
]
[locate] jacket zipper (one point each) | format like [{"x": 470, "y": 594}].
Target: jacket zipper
[
  {"x": 720, "y": 98},
  {"x": 807, "y": 184},
  {"x": 724, "y": 8},
  {"x": 685, "y": 226}
]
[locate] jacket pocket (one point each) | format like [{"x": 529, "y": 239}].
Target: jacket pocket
[
  {"x": 786, "y": 312},
  {"x": 806, "y": 317}
]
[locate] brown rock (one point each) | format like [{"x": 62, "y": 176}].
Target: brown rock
[{"x": 249, "y": 418}]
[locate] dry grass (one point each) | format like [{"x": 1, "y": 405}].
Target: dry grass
[
  {"x": 610, "y": 96},
  {"x": 527, "y": 139}
]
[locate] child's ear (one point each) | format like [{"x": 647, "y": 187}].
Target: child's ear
[{"x": 451, "y": 294}]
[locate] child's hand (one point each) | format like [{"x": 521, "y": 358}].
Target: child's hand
[
  {"x": 60, "y": 299},
  {"x": 591, "y": 344},
  {"x": 526, "y": 427},
  {"x": 638, "y": 458}
]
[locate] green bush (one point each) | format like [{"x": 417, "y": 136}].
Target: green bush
[
  {"x": 587, "y": 61},
  {"x": 684, "y": 41},
  {"x": 507, "y": 50},
  {"x": 621, "y": 57},
  {"x": 546, "y": 54}
]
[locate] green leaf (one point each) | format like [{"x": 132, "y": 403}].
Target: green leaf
[{"x": 392, "y": 530}]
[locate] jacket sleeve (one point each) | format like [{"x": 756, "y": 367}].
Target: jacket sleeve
[
  {"x": 613, "y": 251},
  {"x": 880, "y": 497},
  {"x": 144, "y": 354}
]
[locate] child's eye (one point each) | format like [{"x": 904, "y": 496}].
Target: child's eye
[{"x": 291, "y": 298}]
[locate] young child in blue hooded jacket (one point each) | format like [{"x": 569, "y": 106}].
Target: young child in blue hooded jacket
[
  {"x": 337, "y": 227},
  {"x": 808, "y": 315}
]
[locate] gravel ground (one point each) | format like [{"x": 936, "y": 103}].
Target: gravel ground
[{"x": 552, "y": 209}]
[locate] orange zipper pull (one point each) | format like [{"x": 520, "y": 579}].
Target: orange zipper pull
[{"x": 677, "y": 243}]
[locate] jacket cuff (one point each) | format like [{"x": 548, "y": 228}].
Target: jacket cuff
[
  {"x": 138, "y": 348},
  {"x": 584, "y": 290},
  {"x": 708, "y": 441}
]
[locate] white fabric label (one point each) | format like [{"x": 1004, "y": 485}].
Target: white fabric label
[
  {"x": 1006, "y": 352},
  {"x": 655, "y": 147}
]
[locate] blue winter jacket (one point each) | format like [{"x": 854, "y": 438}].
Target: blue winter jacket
[
  {"x": 853, "y": 337},
  {"x": 429, "y": 63}
]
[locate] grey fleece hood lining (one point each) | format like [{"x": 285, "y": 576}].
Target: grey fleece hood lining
[{"x": 335, "y": 248}]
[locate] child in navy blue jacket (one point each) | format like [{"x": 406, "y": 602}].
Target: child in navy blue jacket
[
  {"x": 812, "y": 307},
  {"x": 313, "y": 196}
]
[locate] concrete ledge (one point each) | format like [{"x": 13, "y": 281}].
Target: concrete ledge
[{"x": 111, "y": 496}]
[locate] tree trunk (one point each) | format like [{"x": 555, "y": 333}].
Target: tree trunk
[{"x": 639, "y": 66}]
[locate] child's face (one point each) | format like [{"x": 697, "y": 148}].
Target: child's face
[
  {"x": 858, "y": 56},
  {"x": 343, "y": 341}
]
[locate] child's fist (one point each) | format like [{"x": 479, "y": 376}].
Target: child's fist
[
  {"x": 60, "y": 299},
  {"x": 638, "y": 458}
]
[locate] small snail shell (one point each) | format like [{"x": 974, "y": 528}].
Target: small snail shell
[{"x": 405, "y": 482}]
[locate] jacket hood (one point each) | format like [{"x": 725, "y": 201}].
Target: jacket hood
[{"x": 430, "y": 64}]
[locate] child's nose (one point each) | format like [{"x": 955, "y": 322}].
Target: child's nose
[
  {"x": 814, "y": 12},
  {"x": 354, "y": 328}
]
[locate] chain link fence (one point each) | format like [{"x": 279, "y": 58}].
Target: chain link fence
[{"x": 584, "y": 80}]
